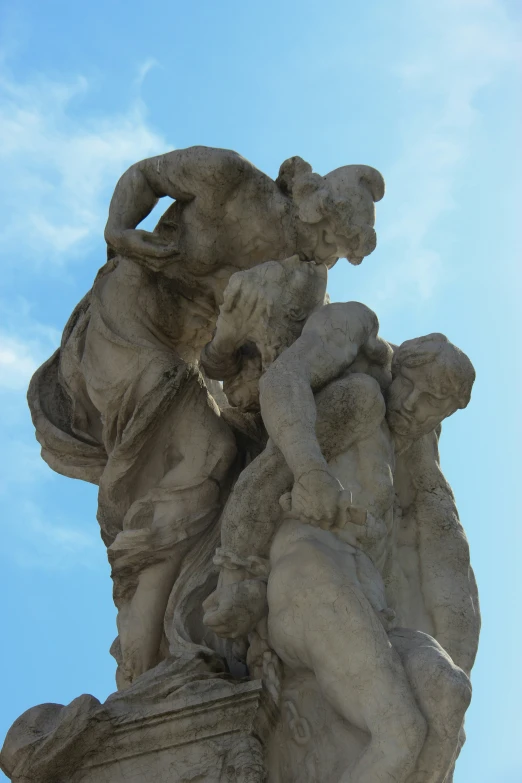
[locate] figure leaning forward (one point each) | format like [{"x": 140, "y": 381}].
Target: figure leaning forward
[{"x": 123, "y": 404}]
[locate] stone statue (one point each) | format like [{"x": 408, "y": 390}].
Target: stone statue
[
  {"x": 328, "y": 560},
  {"x": 123, "y": 404},
  {"x": 295, "y": 599}
]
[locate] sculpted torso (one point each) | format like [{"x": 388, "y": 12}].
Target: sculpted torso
[
  {"x": 233, "y": 218},
  {"x": 365, "y": 459}
]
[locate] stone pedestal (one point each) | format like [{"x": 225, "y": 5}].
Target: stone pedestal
[{"x": 214, "y": 737}]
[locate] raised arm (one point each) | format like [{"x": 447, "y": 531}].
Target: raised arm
[
  {"x": 195, "y": 172},
  {"x": 330, "y": 342}
]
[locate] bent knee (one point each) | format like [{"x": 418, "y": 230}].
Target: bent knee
[
  {"x": 450, "y": 688},
  {"x": 435, "y": 677},
  {"x": 456, "y": 688},
  {"x": 404, "y": 739},
  {"x": 415, "y": 731}
]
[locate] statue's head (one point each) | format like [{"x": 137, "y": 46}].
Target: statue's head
[
  {"x": 432, "y": 378},
  {"x": 242, "y": 387},
  {"x": 339, "y": 207},
  {"x": 269, "y": 304}
]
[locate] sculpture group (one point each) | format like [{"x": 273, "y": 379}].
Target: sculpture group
[{"x": 270, "y": 493}]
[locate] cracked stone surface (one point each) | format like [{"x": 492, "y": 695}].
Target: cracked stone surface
[{"x": 294, "y": 592}]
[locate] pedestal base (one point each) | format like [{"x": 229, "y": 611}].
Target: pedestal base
[
  {"x": 205, "y": 731},
  {"x": 214, "y": 737}
]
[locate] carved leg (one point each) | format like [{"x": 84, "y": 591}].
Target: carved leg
[
  {"x": 320, "y": 620},
  {"x": 443, "y": 693},
  {"x": 141, "y": 627},
  {"x": 190, "y": 458},
  {"x": 460, "y": 745}
]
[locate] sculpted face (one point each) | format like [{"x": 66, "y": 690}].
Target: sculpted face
[
  {"x": 299, "y": 294},
  {"x": 275, "y": 300},
  {"x": 340, "y": 208},
  {"x": 419, "y": 399},
  {"x": 242, "y": 389}
]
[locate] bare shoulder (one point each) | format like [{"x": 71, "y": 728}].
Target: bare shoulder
[
  {"x": 343, "y": 322},
  {"x": 212, "y": 160},
  {"x": 201, "y": 167},
  {"x": 365, "y": 394},
  {"x": 330, "y": 343}
]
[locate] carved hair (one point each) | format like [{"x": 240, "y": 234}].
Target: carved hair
[
  {"x": 420, "y": 351},
  {"x": 277, "y": 282},
  {"x": 311, "y": 193},
  {"x": 292, "y": 170}
]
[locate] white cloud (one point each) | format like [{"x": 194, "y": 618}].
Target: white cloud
[
  {"x": 17, "y": 363},
  {"x": 30, "y": 538},
  {"x": 34, "y": 542},
  {"x": 58, "y": 166},
  {"x": 459, "y": 47},
  {"x": 144, "y": 69},
  {"x": 21, "y": 466},
  {"x": 24, "y": 344}
]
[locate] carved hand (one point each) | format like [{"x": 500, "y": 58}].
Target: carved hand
[
  {"x": 362, "y": 526},
  {"x": 144, "y": 245},
  {"x": 315, "y": 498},
  {"x": 233, "y": 610}
]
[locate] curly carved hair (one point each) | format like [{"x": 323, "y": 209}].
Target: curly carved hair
[
  {"x": 459, "y": 372},
  {"x": 310, "y": 190}
]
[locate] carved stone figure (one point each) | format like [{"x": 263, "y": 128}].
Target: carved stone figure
[
  {"x": 295, "y": 598},
  {"x": 328, "y": 562},
  {"x": 122, "y": 403}
]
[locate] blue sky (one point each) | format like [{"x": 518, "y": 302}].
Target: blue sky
[{"x": 424, "y": 91}]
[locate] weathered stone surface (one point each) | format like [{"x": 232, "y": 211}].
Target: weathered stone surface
[
  {"x": 369, "y": 585},
  {"x": 211, "y": 730},
  {"x": 295, "y": 599},
  {"x": 216, "y": 734}
]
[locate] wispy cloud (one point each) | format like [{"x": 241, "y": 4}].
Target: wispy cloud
[
  {"x": 59, "y": 164},
  {"x": 144, "y": 69},
  {"x": 31, "y": 538},
  {"x": 17, "y": 363},
  {"x": 459, "y": 47},
  {"x": 34, "y": 542},
  {"x": 24, "y": 344},
  {"x": 21, "y": 467}
]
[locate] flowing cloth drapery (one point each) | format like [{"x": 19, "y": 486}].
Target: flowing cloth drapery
[{"x": 118, "y": 407}]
